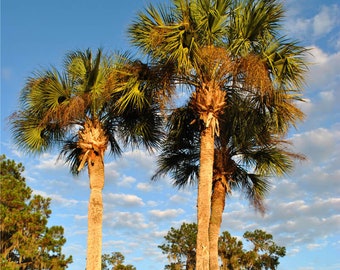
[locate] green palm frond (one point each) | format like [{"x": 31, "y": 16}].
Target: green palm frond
[
  {"x": 45, "y": 91},
  {"x": 180, "y": 151},
  {"x": 166, "y": 37},
  {"x": 129, "y": 87},
  {"x": 255, "y": 189},
  {"x": 137, "y": 84},
  {"x": 253, "y": 22},
  {"x": 287, "y": 62},
  {"x": 89, "y": 77},
  {"x": 142, "y": 127},
  {"x": 72, "y": 154},
  {"x": 31, "y": 136},
  {"x": 211, "y": 18}
]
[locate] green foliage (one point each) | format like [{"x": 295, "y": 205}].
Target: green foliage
[
  {"x": 265, "y": 253},
  {"x": 180, "y": 247},
  {"x": 230, "y": 250},
  {"x": 115, "y": 261},
  {"x": 26, "y": 241}
]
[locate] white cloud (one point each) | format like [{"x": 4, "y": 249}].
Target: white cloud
[
  {"x": 126, "y": 200},
  {"x": 318, "y": 145},
  {"x": 50, "y": 162},
  {"x": 152, "y": 203},
  {"x": 111, "y": 174},
  {"x": 314, "y": 246},
  {"x": 142, "y": 160},
  {"x": 166, "y": 214},
  {"x": 126, "y": 220},
  {"x": 326, "y": 20},
  {"x": 80, "y": 217},
  {"x": 145, "y": 187},
  {"x": 127, "y": 181},
  {"x": 319, "y": 25},
  {"x": 178, "y": 199},
  {"x": 57, "y": 198},
  {"x": 324, "y": 70}
]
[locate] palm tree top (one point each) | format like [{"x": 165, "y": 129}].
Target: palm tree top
[
  {"x": 59, "y": 107},
  {"x": 182, "y": 32}
]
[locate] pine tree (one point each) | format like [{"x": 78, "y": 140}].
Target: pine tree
[{"x": 26, "y": 241}]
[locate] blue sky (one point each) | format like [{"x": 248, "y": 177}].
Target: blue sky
[{"x": 303, "y": 209}]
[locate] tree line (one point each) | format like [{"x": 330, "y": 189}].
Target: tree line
[
  {"x": 180, "y": 248},
  {"x": 28, "y": 243},
  {"x": 243, "y": 79}
]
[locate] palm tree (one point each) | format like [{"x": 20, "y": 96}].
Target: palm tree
[
  {"x": 77, "y": 109},
  {"x": 216, "y": 45}
]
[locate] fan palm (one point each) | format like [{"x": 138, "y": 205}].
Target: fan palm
[
  {"x": 216, "y": 45},
  {"x": 79, "y": 109}
]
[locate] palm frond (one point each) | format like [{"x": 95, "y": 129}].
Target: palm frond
[
  {"x": 287, "y": 62},
  {"x": 180, "y": 152},
  {"x": 142, "y": 127},
  {"x": 33, "y": 137},
  {"x": 72, "y": 154}
]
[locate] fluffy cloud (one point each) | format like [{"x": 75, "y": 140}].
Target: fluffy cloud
[
  {"x": 318, "y": 145},
  {"x": 166, "y": 214},
  {"x": 58, "y": 199},
  {"x": 326, "y": 20},
  {"x": 126, "y": 221},
  {"x": 50, "y": 162},
  {"x": 126, "y": 181},
  {"x": 324, "y": 66},
  {"x": 321, "y": 24},
  {"x": 145, "y": 187},
  {"x": 179, "y": 199},
  {"x": 126, "y": 200}
]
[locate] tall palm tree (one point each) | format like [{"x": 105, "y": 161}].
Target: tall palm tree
[
  {"x": 77, "y": 109},
  {"x": 216, "y": 45}
]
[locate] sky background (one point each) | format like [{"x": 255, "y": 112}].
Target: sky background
[{"x": 303, "y": 209}]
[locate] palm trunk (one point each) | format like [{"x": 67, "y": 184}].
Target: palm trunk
[
  {"x": 95, "y": 211},
  {"x": 204, "y": 198},
  {"x": 217, "y": 208}
]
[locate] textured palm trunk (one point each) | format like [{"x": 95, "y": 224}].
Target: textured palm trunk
[
  {"x": 204, "y": 198},
  {"x": 209, "y": 101},
  {"x": 217, "y": 208},
  {"x": 95, "y": 211}
]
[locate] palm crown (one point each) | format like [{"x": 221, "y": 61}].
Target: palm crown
[
  {"x": 224, "y": 51},
  {"x": 62, "y": 108}
]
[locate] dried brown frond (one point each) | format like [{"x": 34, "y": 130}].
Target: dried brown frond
[
  {"x": 215, "y": 63},
  {"x": 254, "y": 75},
  {"x": 163, "y": 82},
  {"x": 67, "y": 112}
]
